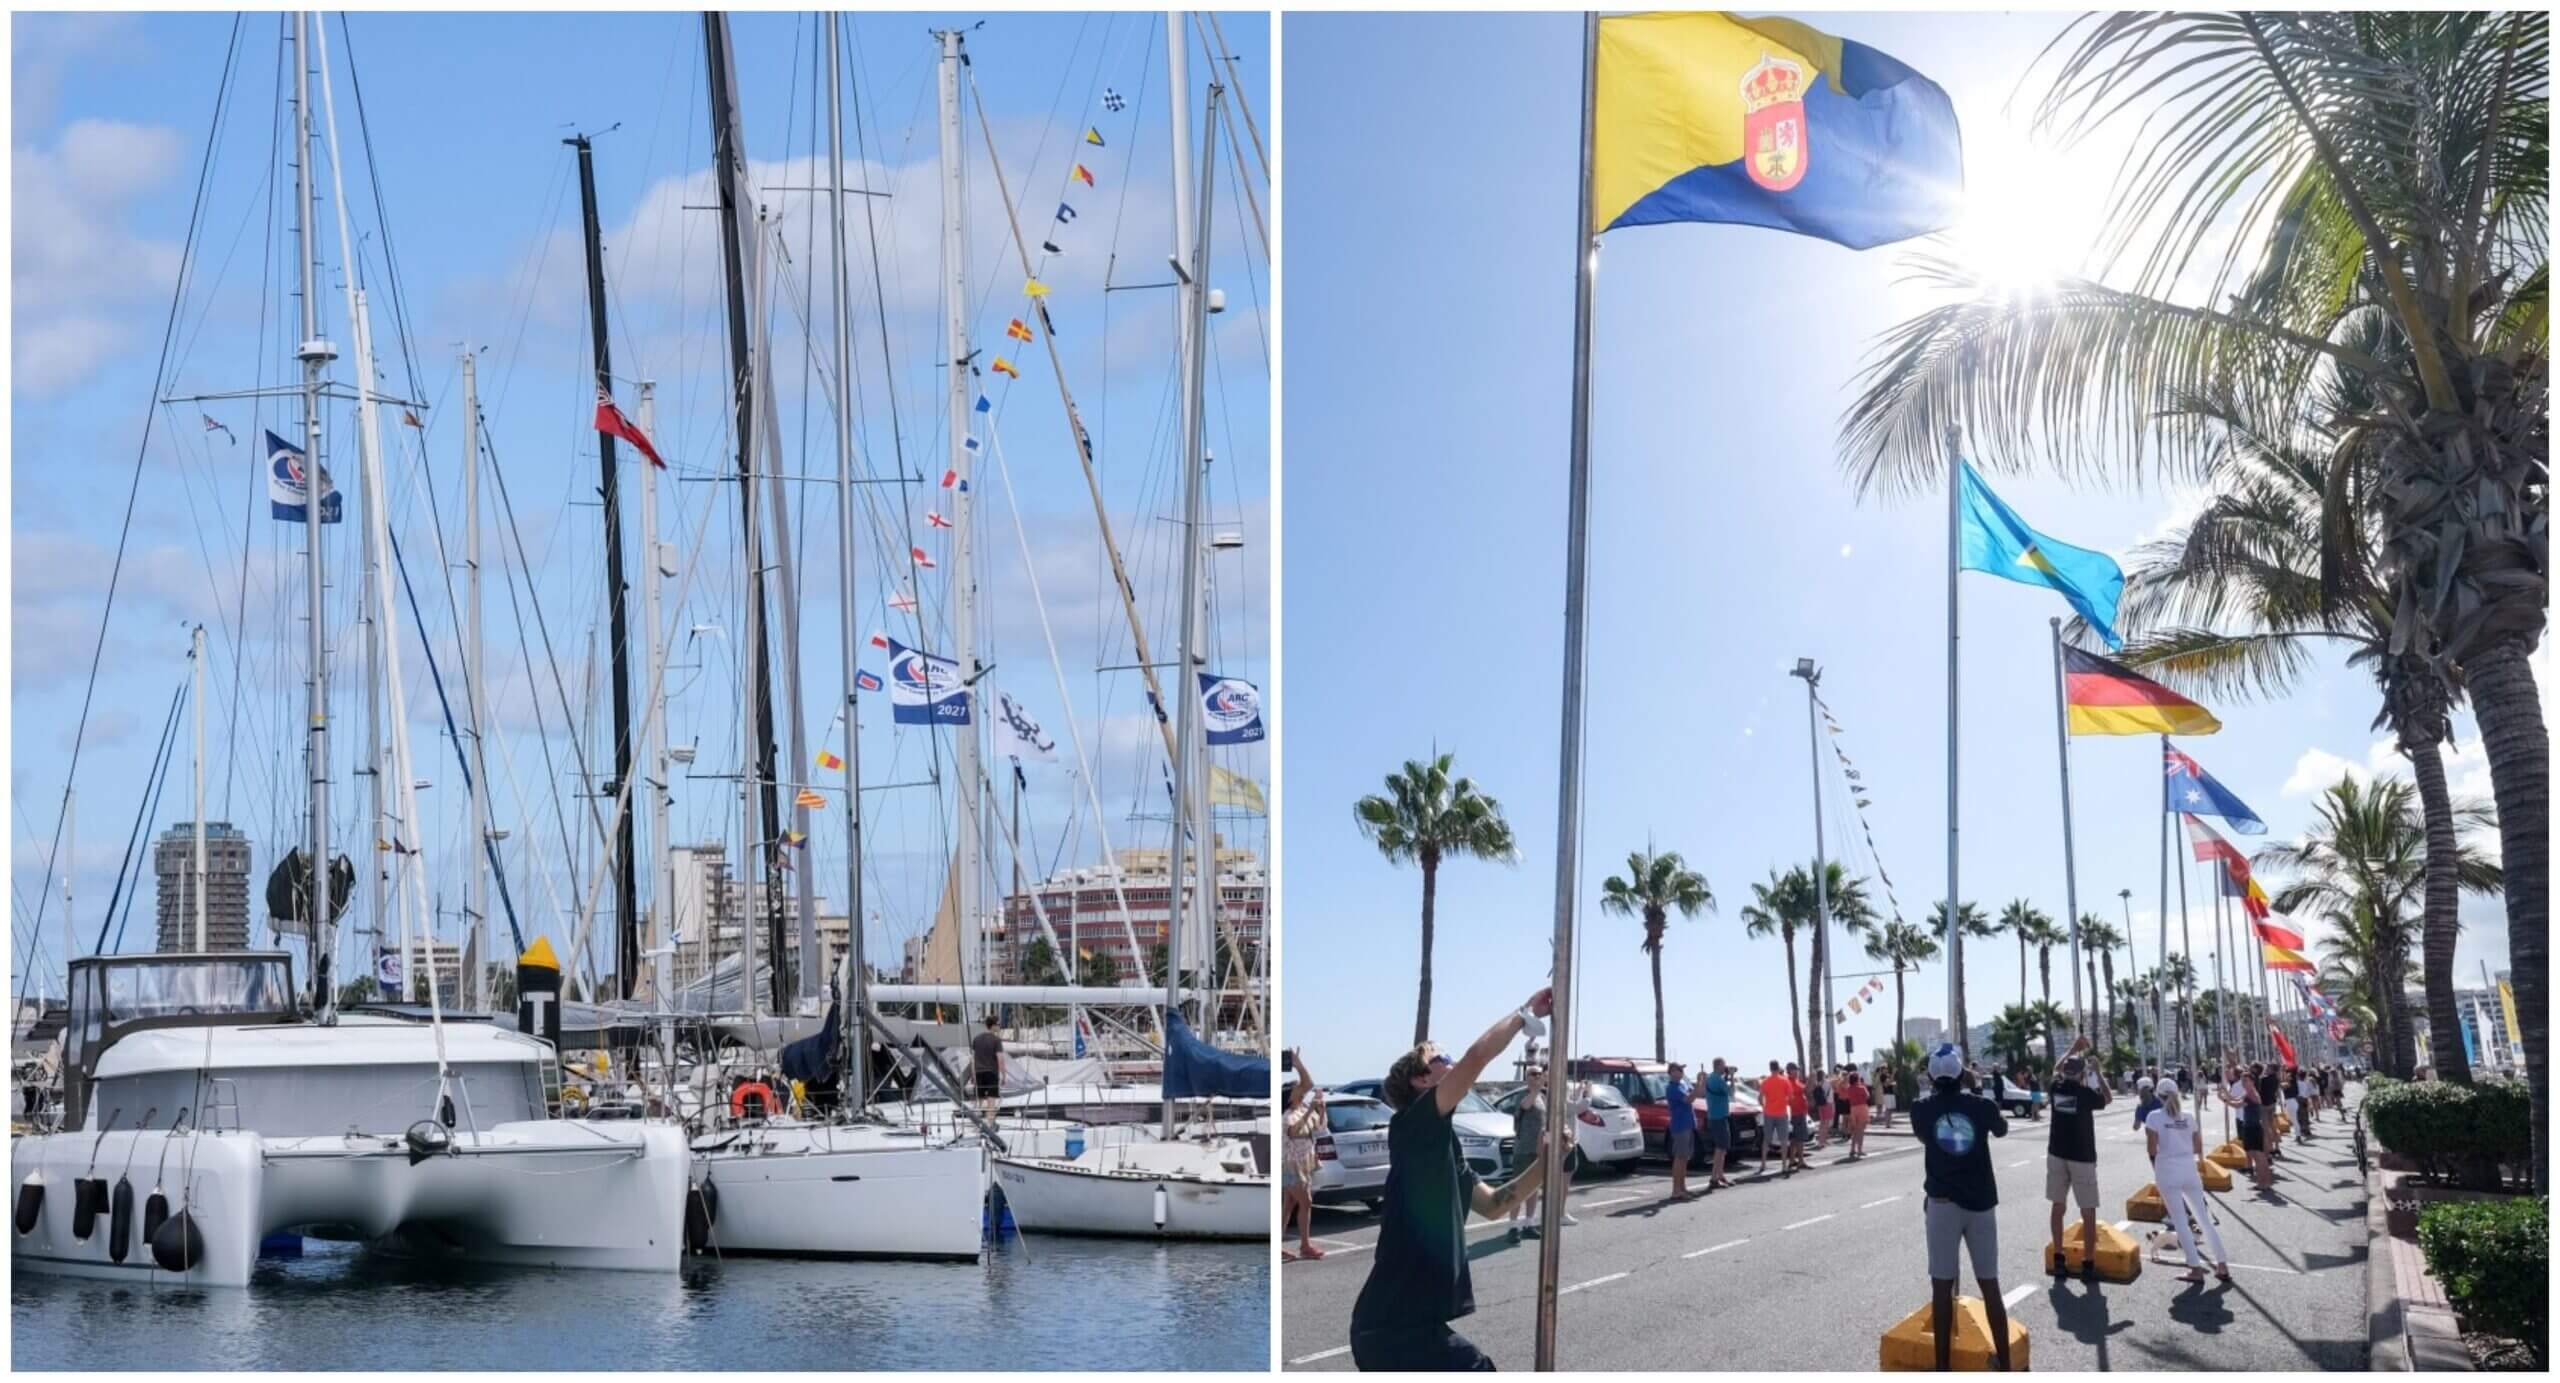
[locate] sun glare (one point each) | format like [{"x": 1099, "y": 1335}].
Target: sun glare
[{"x": 2032, "y": 212}]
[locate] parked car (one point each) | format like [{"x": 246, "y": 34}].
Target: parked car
[
  {"x": 1606, "y": 1132},
  {"x": 1484, "y": 1133},
  {"x": 1351, "y": 1154},
  {"x": 1642, "y": 1083},
  {"x": 2014, "y": 1098}
]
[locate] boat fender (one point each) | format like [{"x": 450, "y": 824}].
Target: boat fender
[
  {"x": 427, "y": 1140},
  {"x": 155, "y": 1213},
  {"x": 30, "y": 1203},
  {"x": 178, "y": 1246},
  {"x": 120, "y": 1222},
  {"x": 444, "y": 1110},
  {"x": 701, "y": 1212},
  {"x": 88, "y": 1200},
  {"x": 1163, "y": 1204},
  {"x": 763, "y": 1094}
]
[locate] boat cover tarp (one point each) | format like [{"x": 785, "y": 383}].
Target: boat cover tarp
[
  {"x": 812, "y": 1059},
  {"x": 1195, "y": 1070}
]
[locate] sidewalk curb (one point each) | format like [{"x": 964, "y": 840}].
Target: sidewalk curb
[{"x": 2402, "y": 1339}]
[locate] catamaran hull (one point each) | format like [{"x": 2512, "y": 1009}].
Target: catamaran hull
[
  {"x": 1050, "y": 1196},
  {"x": 807, "y": 1195},
  {"x": 553, "y": 1193}
]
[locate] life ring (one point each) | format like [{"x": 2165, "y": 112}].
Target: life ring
[
  {"x": 764, "y": 1096},
  {"x": 575, "y": 1095}
]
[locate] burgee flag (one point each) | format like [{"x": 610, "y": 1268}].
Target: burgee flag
[
  {"x": 2108, "y": 698},
  {"x": 1997, "y": 541},
  {"x": 1083, "y": 175},
  {"x": 1701, "y": 116},
  {"x": 2193, "y": 790}
]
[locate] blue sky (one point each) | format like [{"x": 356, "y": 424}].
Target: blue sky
[
  {"x": 1430, "y": 176},
  {"x": 466, "y": 114}
]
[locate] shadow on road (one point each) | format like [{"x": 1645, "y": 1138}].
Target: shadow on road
[{"x": 2086, "y": 1317}]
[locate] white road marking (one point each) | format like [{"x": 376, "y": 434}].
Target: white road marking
[
  {"x": 2022, "y": 1162},
  {"x": 1568, "y": 1291},
  {"x": 2254, "y": 1268},
  {"x": 1321, "y": 1354},
  {"x": 1873, "y": 1204},
  {"x": 1716, "y": 1248},
  {"x": 1814, "y": 1221},
  {"x": 1614, "y": 1200},
  {"x": 2016, "y": 1292},
  {"x": 2124, "y": 1225},
  {"x": 1346, "y": 1249}
]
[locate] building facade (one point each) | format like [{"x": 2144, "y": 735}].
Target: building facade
[
  {"x": 173, "y": 857},
  {"x": 1083, "y": 909}
]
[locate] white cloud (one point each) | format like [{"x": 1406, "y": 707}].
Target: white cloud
[
  {"x": 2317, "y": 770},
  {"x": 74, "y": 263}
]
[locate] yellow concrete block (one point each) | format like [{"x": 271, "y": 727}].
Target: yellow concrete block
[
  {"x": 2146, "y": 1204},
  {"x": 2283, "y": 1125},
  {"x": 2230, "y": 1155},
  {"x": 2215, "y": 1177},
  {"x": 2119, "y": 1257},
  {"x": 1911, "y": 1345}
]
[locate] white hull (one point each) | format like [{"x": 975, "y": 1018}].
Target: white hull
[
  {"x": 838, "y": 1191},
  {"x": 1143, "y": 1190},
  {"x": 553, "y": 1193}
]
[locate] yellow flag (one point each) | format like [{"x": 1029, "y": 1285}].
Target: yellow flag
[
  {"x": 1035, "y": 288},
  {"x": 1233, "y": 790}
]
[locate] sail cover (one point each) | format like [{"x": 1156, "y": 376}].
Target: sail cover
[
  {"x": 1195, "y": 1070},
  {"x": 812, "y": 1059}
]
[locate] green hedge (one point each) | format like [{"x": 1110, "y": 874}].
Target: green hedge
[
  {"x": 2494, "y": 1258},
  {"x": 2453, "y": 1132}
]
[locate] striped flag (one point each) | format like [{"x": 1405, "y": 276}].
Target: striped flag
[{"x": 810, "y": 797}]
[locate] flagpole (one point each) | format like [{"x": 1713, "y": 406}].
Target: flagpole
[
  {"x": 1569, "y": 754},
  {"x": 1955, "y": 563},
  {"x": 2187, "y": 948},
  {"x": 2221, "y": 943},
  {"x": 2159, "y": 1016},
  {"x": 2070, "y": 859}
]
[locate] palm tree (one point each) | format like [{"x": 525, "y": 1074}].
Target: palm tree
[
  {"x": 2293, "y": 176},
  {"x": 1850, "y": 907},
  {"x": 1780, "y": 906},
  {"x": 2016, "y": 919},
  {"x": 1974, "y": 924},
  {"x": 2367, "y": 850},
  {"x": 1906, "y": 948},
  {"x": 2130, "y": 994},
  {"x": 2178, "y": 978},
  {"x": 2044, "y": 934},
  {"x": 1426, "y": 816},
  {"x": 2353, "y": 971},
  {"x": 2013, "y": 1035},
  {"x": 1653, "y": 888},
  {"x": 2098, "y": 942}
]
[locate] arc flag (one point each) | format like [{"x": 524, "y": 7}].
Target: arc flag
[
  {"x": 2108, "y": 698},
  {"x": 1700, "y": 116},
  {"x": 1997, "y": 541}
]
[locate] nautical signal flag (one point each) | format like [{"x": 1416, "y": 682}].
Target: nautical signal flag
[
  {"x": 2191, "y": 789},
  {"x": 211, "y": 426},
  {"x": 2108, "y": 698},
  {"x": 878, "y": 639},
  {"x": 982, "y": 404},
  {"x": 1034, "y": 288},
  {"x": 1017, "y": 330},
  {"x": 1997, "y": 541},
  {"x": 950, "y": 478},
  {"x": 903, "y": 601},
  {"x": 1004, "y": 367},
  {"x": 933, "y": 518},
  {"x": 1701, "y": 116},
  {"x": 921, "y": 559},
  {"x": 410, "y": 417},
  {"x": 827, "y": 759},
  {"x": 1093, "y": 137},
  {"x": 867, "y": 680},
  {"x": 1112, "y": 99},
  {"x": 609, "y": 420},
  {"x": 1083, "y": 175},
  {"x": 810, "y": 797},
  {"x": 1066, "y": 213},
  {"x": 797, "y": 839}
]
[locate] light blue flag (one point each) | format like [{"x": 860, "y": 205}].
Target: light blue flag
[{"x": 1996, "y": 540}]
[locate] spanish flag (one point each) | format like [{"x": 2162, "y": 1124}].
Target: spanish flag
[
  {"x": 2108, "y": 698},
  {"x": 2278, "y": 958},
  {"x": 1700, "y": 116}
]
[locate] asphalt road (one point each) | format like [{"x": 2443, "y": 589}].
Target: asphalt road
[{"x": 1807, "y": 1272}]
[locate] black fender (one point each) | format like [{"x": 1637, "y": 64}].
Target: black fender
[
  {"x": 30, "y": 1207},
  {"x": 120, "y": 1222},
  {"x": 179, "y": 1244}
]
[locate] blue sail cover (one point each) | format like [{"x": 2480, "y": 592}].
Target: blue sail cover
[
  {"x": 1195, "y": 1070},
  {"x": 812, "y": 1059}
]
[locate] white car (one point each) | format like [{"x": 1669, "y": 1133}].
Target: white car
[
  {"x": 1484, "y": 1133},
  {"x": 1351, "y": 1154},
  {"x": 1606, "y": 1132}
]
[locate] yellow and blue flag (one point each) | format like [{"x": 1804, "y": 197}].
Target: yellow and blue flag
[
  {"x": 1996, "y": 540},
  {"x": 1700, "y": 116}
]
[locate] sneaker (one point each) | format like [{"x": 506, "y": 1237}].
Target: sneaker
[
  {"x": 1571, "y": 1221},
  {"x": 1515, "y": 1233}
]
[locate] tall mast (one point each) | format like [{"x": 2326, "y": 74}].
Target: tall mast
[
  {"x": 315, "y": 354},
  {"x": 475, "y": 897},
  {"x": 964, "y": 743},
  {"x": 626, "y": 918},
  {"x": 195, "y": 655},
  {"x": 756, "y": 766},
  {"x": 652, "y": 569},
  {"x": 857, "y": 974}
]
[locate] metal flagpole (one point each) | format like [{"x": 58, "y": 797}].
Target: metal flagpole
[
  {"x": 2159, "y": 1015},
  {"x": 1955, "y": 559},
  {"x": 1577, "y": 565},
  {"x": 2222, "y": 1020},
  {"x": 2070, "y": 860},
  {"x": 203, "y": 919},
  {"x": 2187, "y": 948},
  {"x": 2133, "y": 959},
  {"x": 1821, "y": 883}
]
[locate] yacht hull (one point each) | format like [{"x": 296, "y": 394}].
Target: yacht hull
[
  {"x": 1142, "y": 1191},
  {"x": 552, "y": 1193},
  {"x": 823, "y": 1191}
]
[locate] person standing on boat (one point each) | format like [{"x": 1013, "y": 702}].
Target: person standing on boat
[
  {"x": 1418, "y": 1280},
  {"x": 986, "y": 1060}
]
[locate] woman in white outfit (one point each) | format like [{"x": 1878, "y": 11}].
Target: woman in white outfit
[{"x": 2177, "y": 1145}]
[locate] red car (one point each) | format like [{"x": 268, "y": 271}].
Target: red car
[{"x": 1643, "y": 1083}]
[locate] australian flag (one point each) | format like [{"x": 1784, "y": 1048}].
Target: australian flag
[{"x": 2188, "y": 788}]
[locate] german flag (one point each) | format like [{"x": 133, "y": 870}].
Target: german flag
[{"x": 2108, "y": 698}]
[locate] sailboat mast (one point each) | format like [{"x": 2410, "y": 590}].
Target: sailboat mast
[
  {"x": 195, "y": 655},
  {"x": 652, "y": 571},
  {"x": 729, "y": 150},
  {"x": 475, "y": 898},
  {"x": 626, "y": 918},
  {"x": 964, "y": 743},
  {"x": 315, "y": 355},
  {"x": 857, "y": 973}
]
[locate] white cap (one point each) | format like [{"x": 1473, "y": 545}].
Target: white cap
[
  {"x": 1946, "y": 1063},
  {"x": 2144, "y": 1083}
]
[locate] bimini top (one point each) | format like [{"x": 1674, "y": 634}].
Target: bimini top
[{"x": 355, "y": 1040}]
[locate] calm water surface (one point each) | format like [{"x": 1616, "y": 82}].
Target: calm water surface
[{"x": 1042, "y": 1303}]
